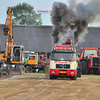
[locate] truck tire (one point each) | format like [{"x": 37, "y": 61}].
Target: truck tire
[
  {"x": 94, "y": 72},
  {"x": 97, "y": 71},
  {"x": 84, "y": 67},
  {"x": 90, "y": 71},
  {"x": 73, "y": 78},
  {"x": 28, "y": 69}
]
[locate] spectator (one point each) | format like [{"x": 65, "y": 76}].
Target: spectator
[{"x": 26, "y": 58}]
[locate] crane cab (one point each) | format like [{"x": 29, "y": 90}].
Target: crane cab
[{"x": 18, "y": 53}]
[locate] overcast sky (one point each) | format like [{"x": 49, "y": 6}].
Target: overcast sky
[{"x": 45, "y": 17}]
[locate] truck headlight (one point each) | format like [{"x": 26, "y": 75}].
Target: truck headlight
[
  {"x": 53, "y": 71},
  {"x": 72, "y": 72}
]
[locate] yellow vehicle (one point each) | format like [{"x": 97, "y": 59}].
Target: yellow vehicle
[{"x": 14, "y": 54}]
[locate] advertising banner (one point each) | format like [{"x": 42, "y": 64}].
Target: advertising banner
[{"x": 43, "y": 9}]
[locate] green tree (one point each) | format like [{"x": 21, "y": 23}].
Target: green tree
[{"x": 25, "y": 14}]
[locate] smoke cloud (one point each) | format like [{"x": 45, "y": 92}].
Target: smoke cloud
[{"x": 75, "y": 16}]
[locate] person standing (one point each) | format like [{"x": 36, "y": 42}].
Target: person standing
[{"x": 1, "y": 67}]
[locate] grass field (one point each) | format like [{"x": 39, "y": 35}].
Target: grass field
[
  {"x": 40, "y": 73},
  {"x": 92, "y": 75}
]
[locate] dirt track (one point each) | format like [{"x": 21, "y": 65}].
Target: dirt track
[{"x": 36, "y": 87}]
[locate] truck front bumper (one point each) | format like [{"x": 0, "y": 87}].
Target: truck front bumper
[{"x": 57, "y": 72}]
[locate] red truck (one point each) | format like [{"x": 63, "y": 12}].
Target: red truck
[
  {"x": 63, "y": 62},
  {"x": 89, "y": 60},
  {"x": 42, "y": 60}
]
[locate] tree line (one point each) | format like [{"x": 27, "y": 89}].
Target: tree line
[{"x": 25, "y": 14}]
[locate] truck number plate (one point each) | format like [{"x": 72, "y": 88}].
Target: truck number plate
[{"x": 62, "y": 72}]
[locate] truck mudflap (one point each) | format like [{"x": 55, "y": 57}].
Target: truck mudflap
[{"x": 57, "y": 72}]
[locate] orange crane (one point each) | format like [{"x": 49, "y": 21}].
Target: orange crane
[{"x": 14, "y": 54}]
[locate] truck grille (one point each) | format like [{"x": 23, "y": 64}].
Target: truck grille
[
  {"x": 65, "y": 66},
  {"x": 95, "y": 62}
]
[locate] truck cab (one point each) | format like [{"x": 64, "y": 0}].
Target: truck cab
[
  {"x": 18, "y": 53},
  {"x": 32, "y": 60},
  {"x": 31, "y": 63},
  {"x": 43, "y": 60}
]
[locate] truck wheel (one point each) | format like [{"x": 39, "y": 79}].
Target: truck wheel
[
  {"x": 73, "y": 78},
  {"x": 97, "y": 72},
  {"x": 28, "y": 69},
  {"x": 90, "y": 71},
  {"x": 94, "y": 72},
  {"x": 84, "y": 67}
]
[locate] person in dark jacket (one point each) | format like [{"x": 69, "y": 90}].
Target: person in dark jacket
[{"x": 0, "y": 67}]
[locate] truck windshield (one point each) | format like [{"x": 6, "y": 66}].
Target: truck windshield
[
  {"x": 90, "y": 52},
  {"x": 63, "y": 56},
  {"x": 31, "y": 57},
  {"x": 27, "y": 55}
]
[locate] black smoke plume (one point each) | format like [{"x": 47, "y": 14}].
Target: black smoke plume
[{"x": 75, "y": 16}]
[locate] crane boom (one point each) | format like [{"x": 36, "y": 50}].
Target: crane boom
[{"x": 8, "y": 33}]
